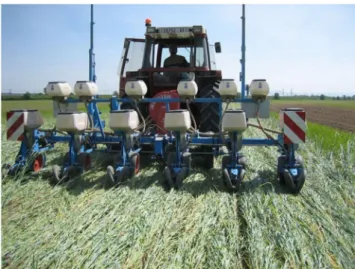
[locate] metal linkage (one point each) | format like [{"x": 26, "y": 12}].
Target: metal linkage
[
  {"x": 34, "y": 144},
  {"x": 30, "y": 155},
  {"x": 233, "y": 165},
  {"x": 127, "y": 162},
  {"x": 290, "y": 167}
]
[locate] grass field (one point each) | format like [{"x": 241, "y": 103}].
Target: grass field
[
  {"x": 330, "y": 103},
  {"x": 45, "y": 106},
  {"x": 140, "y": 225},
  {"x": 328, "y": 139}
]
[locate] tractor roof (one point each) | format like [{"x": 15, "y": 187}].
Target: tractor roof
[{"x": 174, "y": 32}]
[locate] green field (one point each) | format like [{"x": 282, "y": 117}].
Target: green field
[
  {"x": 335, "y": 140},
  {"x": 331, "y": 103},
  {"x": 141, "y": 225},
  {"x": 44, "y": 106}
]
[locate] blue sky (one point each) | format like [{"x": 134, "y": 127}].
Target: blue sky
[{"x": 306, "y": 48}]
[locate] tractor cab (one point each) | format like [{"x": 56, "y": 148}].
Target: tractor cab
[{"x": 146, "y": 59}]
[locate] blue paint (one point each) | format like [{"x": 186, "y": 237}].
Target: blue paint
[
  {"x": 242, "y": 61},
  {"x": 294, "y": 172},
  {"x": 158, "y": 145},
  {"x": 234, "y": 172},
  {"x": 92, "y": 64},
  {"x": 176, "y": 169}
]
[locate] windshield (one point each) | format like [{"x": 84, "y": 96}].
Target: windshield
[{"x": 194, "y": 51}]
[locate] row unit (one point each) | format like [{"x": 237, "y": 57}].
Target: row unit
[
  {"x": 127, "y": 120},
  {"x": 138, "y": 89}
]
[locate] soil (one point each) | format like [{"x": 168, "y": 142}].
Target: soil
[{"x": 340, "y": 118}]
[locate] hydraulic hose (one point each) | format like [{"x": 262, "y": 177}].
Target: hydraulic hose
[
  {"x": 191, "y": 115},
  {"x": 140, "y": 115}
]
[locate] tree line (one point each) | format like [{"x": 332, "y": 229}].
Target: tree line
[
  {"x": 315, "y": 97},
  {"x": 42, "y": 96}
]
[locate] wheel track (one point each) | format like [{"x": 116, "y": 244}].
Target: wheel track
[{"x": 258, "y": 228}]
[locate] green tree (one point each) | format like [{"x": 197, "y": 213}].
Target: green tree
[
  {"x": 27, "y": 96},
  {"x": 276, "y": 96},
  {"x": 322, "y": 97}
]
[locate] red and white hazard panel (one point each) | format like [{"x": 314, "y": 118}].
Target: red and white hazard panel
[
  {"x": 15, "y": 125},
  {"x": 293, "y": 124}
]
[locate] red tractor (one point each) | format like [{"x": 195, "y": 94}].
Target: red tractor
[{"x": 161, "y": 60}]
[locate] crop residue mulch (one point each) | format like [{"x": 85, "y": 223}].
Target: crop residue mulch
[{"x": 340, "y": 118}]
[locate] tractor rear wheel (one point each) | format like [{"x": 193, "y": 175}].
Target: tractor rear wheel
[
  {"x": 209, "y": 119},
  {"x": 209, "y": 112}
]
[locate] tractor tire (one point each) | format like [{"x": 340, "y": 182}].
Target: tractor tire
[
  {"x": 209, "y": 119},
  {"x": 208, "y": 158},
  {"x": 209, "y": 112}
]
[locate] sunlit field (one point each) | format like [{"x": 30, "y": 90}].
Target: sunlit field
[{"x": 140, "y": 224}]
